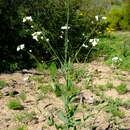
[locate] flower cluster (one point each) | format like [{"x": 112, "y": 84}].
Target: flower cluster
[
  {"x": 94, "y": 41},
  {"x": 27, "y": 18},
  {"x": 35, "y": 35},
  {"x": 20, "y": 47}
]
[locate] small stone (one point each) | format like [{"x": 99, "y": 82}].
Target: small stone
[
  {"x": 103, "y": 126},
  {"x": 42, "y": 119},
  {"x": 7, "y": 125},
  {"x": 26, "y": 78},
  {"x": 7, "y": 119},
  {"x": 40, "y": 128},
  {"x": 29, "y": 101},
  {"x": 14, "y": 92},
  {"x": 35, "y": 121},
  {"x": 90, "y": 100},
  {"x": 9, "y": 91}
]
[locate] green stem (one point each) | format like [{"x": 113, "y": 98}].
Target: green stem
[
  {"x": 87, "y": 38},
  {"x": 88, "y": 54},
  {"x": 66, "y": 31}
]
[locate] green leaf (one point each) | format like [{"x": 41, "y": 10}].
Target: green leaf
[
  {"x": 88, "y": 116},
  {"x": 50, "y": 120},
  {"x": 53, "y": 70}
]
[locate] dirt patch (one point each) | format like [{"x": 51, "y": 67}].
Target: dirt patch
[{"x": 44, "y": 104}]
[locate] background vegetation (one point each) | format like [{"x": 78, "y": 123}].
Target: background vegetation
[{"x": 50, "y": 16}]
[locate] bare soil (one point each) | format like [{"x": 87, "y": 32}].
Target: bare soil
[{"x": 44, "y": 104}]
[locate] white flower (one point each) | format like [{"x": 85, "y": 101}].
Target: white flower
[
  {"x": 27, "y": 18},
  {"x": 61, "y": 36},
  {"x": 65, "y": 27},
  {"x": 32, "y": 26},
  {"x": 42, "y": 37},
  {"x": 86, "y": 46},
  {"x": 30, "y": 50},
  {"x": 116, "y": 59},
  {"x": 35, "y": 38},
  {"x": 104, "y": 18},
  {"x": 91, "y": 40},
  {"x": 47, "y": 40},
  {"x": 96, "y": 17},
  {"x": 20, "y": 47},
  {"x": 36, "y": 34},
  {"x": 94, "y": 41},
  {"x": 83, "y": 34}
]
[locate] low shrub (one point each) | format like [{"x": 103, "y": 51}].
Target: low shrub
[{"x": 119, "y": 16}]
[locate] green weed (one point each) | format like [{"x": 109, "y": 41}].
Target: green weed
[
  {"x": 53, "y": 71},
  {"x": 88, "y": 83},
  {"x": 50, "y": 120},
  {"x": 105, "y": 87},
  {"x": 15, "y": 105},
  {"x": 126, "y": 103},
  {"x": 67, "y": 116},
  {"x": 102, "y": 87},
  {"x": 22, "y": 96},
  {"x": 121, "y": 89},
  {"x": 36, "y": 78},
  {"x": 45, "y": 88},
  {"x": 57, "y": 88},
  {"x": 78, "y": 75},
  {"x": 21, "y": 128},
  {"x": 68, "y": 94},
  {"x": 113, "y": 107},
  {"x": 1, "y": 94},
  {"x": 41, "y": 66},
  {"x": 40, "y": 96},
  {"x": 25, "y": 117},
  {"x": 3, "y": 84},
  {"x": 109, "y": 85}
]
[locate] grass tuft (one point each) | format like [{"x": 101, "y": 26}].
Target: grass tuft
[
  {"x": 3, "y": 84},
  {"x": 15, "y": 105},
  {"x": 121, "y": 89}
]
